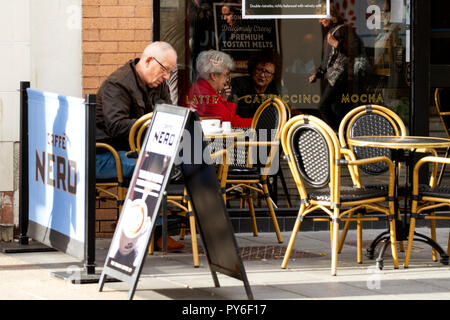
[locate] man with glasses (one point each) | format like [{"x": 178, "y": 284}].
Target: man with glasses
[
  {"x": 249, "y": 92},
  {"x": 127, "y": 94}
]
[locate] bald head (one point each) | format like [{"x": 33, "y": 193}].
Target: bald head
[
  {"x": 158, "y": 49},
  {"x": 157, "y": 61}
]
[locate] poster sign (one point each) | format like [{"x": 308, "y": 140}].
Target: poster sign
[
  {"x": 239, "y": 37},
  {"x": 141, "y": 208},
  {"x": 285, "y": 9},
  {"x": 129, "y": 245},
  {"x": 56, "y": 171}
]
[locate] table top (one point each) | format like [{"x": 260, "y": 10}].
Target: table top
[{"x": 398, "y": 142}]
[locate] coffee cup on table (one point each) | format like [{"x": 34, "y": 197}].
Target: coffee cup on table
[
  {"x": 226, "y": 126},
  {"x": 210, "y": 124},
  {"x": 215, "y": 123}
]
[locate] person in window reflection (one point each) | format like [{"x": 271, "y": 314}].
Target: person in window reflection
[
  {"x": 333, "y": 68},
  {"x": 208, "y": 95},
  {"x": 231, "y": 14},
  {"x": 249, "y": 92}
]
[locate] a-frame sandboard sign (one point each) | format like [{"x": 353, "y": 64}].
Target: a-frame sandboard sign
[{"x": 129, "y": 245}]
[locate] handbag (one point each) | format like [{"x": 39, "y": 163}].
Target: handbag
[{"x": 337, "y": 62}]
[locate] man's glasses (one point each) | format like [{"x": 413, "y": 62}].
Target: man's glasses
[
  {"x": 264, "y": 72},
  {"x": 163, "y": 67}
]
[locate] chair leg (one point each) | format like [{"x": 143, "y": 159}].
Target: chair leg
[
  {"x": 402, "y": 246},
  {"x": 331, "y": 233},
  {"x": 433, "y": 236},
  {"x": 194, "y": 240},
  {"x": 285, "y": 188},
  {"x": 441, "y": 173},
  {"x": 344, "y": 233},
  {"x": 272, "y": 214},
  {"x": 334, "y": 247},
  {"x": 151, "y": 247},
  {"x": 412, "y": 226},
  {"x": 401, "y": 243},
  {"x": 448, "y": 244},
  {"x": 393, "y": 239},
  {"x": 359, "y": 240},
  {"x": 182, "y": 233},
  {"x": 252, "y": 215},
  {"x": 291, "y": 243}
]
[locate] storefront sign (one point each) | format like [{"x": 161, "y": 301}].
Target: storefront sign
[
  {"x": 286, "y": 9},
  {"x": 239, "y": 37},
  {"x": 56, "y": 169}
]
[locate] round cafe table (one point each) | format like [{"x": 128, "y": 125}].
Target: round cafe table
[
  {"x": 403, "y": 150},
  {"x": 220, "y": 141},
  {"x": 400, "y": 143}
]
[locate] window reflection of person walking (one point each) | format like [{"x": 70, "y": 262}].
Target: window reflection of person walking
[{"x": 335, "y": 46}]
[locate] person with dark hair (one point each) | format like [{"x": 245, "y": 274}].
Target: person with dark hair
[
  {"x": 249, "y": 92},
  {"x": 333, "y": 68}
]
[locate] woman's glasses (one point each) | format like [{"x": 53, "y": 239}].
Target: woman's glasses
[{"x": 264, "y": 72}]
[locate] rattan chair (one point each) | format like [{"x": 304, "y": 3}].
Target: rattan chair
[
  {"x": 251, "y": 175},
  {"x": 442, "y": 103},
  {"x": 273, "y": 185},
  {"x": 114, "y": 188},
  {"x": 176, "y": 198},
  {"x": 425, "y": 200},
  {"x": 315, "y": 159},
  {"x": 369, "y": 120},
  {"x": 373, "y": 120}
]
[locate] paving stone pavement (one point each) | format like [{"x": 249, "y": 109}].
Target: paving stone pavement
[{"x": 30, "y": 276}]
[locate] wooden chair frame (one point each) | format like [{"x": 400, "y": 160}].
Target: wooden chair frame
[
  {"x": 336, "y": 209},
  {"x": 399, "y": 130},
  {"x": 422, "y": 205},
  {"x": 105, "y": 185},
  {"x": 258, "y": 184},
  {"x": 344, "y": 132},
  {"x": 442, "y": 115}
]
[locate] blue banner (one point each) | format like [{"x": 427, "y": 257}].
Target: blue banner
[{"x": 57, "y": 148}]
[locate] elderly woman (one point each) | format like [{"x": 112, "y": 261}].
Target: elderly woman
[{"x": 208, "y": 96}]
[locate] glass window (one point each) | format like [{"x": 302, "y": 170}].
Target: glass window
[
  {"x": 359, "y": 56},
  {"x": 440, "y": 32}
]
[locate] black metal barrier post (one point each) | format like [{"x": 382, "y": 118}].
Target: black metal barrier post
[
  {"x": 90, "y": 184},
  {"x": 23, "y": 173},
  {"x": 23, "y": 245}
]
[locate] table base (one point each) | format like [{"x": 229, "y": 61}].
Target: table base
[{"x": 402, "y": 235}]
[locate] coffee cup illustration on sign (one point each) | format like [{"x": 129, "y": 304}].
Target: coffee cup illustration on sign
[{"x": 134, "y": 225}]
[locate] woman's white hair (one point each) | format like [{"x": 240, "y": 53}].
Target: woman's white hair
[{"x": 213, "y": 61}]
